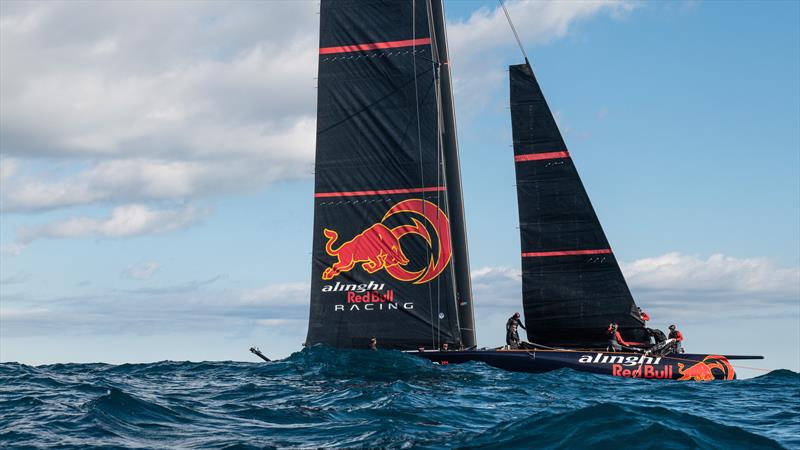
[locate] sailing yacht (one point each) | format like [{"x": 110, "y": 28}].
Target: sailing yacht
[{"x": 390, "y": 256}]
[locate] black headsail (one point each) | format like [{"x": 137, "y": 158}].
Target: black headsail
[
  {"x": 572, "y": 286},
  {"x": 382, "y": 258}
]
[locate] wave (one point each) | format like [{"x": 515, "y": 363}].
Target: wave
[
  {"x": 608, "y": 425},
  {"x": 321, "y": 397}
]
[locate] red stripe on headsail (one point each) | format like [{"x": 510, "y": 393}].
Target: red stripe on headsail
[
  {"x": 601, "y": 251},
  {"x": 379, "y": 192},
  {"x": 373, "y": 46},
  {"x": 540, "y": 156}
]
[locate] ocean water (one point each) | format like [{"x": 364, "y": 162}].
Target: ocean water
[{"x": 325, "y": 398}]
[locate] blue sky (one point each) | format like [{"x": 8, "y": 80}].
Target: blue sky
[{"x": 157, "y": 159}]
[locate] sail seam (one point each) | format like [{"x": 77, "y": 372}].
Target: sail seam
[
  {"x": 541, "y": 156},
  {"x": 373, "y": 46},
  {"x": 602, "y": 251},
  {"x": 379, "y": 192}
]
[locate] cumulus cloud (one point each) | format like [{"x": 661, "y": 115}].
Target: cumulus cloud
[
  {"x": 497, "y": 287},
  {"x": 677, "y": 285},
  {"x": 717, "y": 273},
  {"x": 283, "y": 294},
  {"x": 479, "y": 66},
  {"x": 145, "y": 101},
  {"x": 124, "y": 221},
  {"x": 139, "y": 102},
  {"x": 141, "y": 271},
  {"x": 537, "y": 22},
  {"x": 688, "y": 287},
  {"x": 188, "y": 306},
  {"x": 152, "y": 78},
  {"x": 139, "y": 180}
]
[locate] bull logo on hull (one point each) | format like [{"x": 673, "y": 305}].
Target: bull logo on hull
[
  {"x": 704, "y": 370},
  {"x": 379, "y": 247}
]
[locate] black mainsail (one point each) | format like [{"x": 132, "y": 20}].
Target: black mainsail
[
  {"x": 384, "y": 263},
  {"x": 572, "y": 286}
]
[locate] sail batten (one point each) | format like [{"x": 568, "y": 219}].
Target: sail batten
[{"x": 572, "y": 284}]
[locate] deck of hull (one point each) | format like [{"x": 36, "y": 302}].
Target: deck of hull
[{"x": 683, "y": 367}]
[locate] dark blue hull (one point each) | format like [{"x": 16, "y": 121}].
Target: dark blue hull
[{"x": 696, "y": 367}]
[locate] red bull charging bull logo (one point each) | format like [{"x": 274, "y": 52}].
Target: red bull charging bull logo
[
  {"x": 379, "y": 247},
  {"x": 704, "y": 370}
]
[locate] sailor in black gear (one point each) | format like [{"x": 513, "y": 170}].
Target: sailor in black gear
[
  {"x": 512, "y": 336},
  {"x": 661, "y": 346},
  {"x": 657, "y": 334},
  {"x": 373, "y": 344}
]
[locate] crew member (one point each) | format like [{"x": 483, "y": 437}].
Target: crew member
[
  {"x": 643, "y": 315},
  {"x": 615, "y": 341},
  {"x": 676, "y": 334},
  {"x": 373, "y": 344},
  {"x": 445, "y": 347},
  {"x": 656, "y": 334},
  {"x": 512, "y": 336}
]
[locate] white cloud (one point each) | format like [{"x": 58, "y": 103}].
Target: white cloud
[
  {"x": 22, "y": 313},
  {"x": 140, "y": 179},
  {"x": 537, "y": 22},
  {"x": 12, "y": 249},
  {"x": 181, "y": 99},
  {"x": 497, "y": 287},
  {"x": 8, "y": 167},
  {"x": 189, "y": 306},
  {"x": 689, "y": 288},
  {"x": 142, "y": 271},
  {"x": 676, "y": 285},
  {"x": 478, "y": 43},
  {"x": 717, "y": 273},
  {"x": 281, "y": 322},
  {"x": 277, "y": 294},
  {"x": 147, "y": 101},
  {"x": 125, "y": 221}
]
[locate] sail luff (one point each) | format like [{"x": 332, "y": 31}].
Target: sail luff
[{"x": 455, "y": 194}]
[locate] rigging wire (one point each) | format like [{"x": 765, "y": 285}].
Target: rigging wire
[
  {"x": 419, "y": 143},
  {"x": 436, "y": 68},
  {"x": 514, "y": 30}
]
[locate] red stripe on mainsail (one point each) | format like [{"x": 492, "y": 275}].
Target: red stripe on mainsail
[
  {"x": 601, "y": 251},
  {"x": 379, "y": 192},
  {"x": 373, "y": 46},
  {"x": 540, "y": 156}
]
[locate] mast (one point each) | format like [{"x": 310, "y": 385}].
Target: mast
[{"x": 452, "y": 169}]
